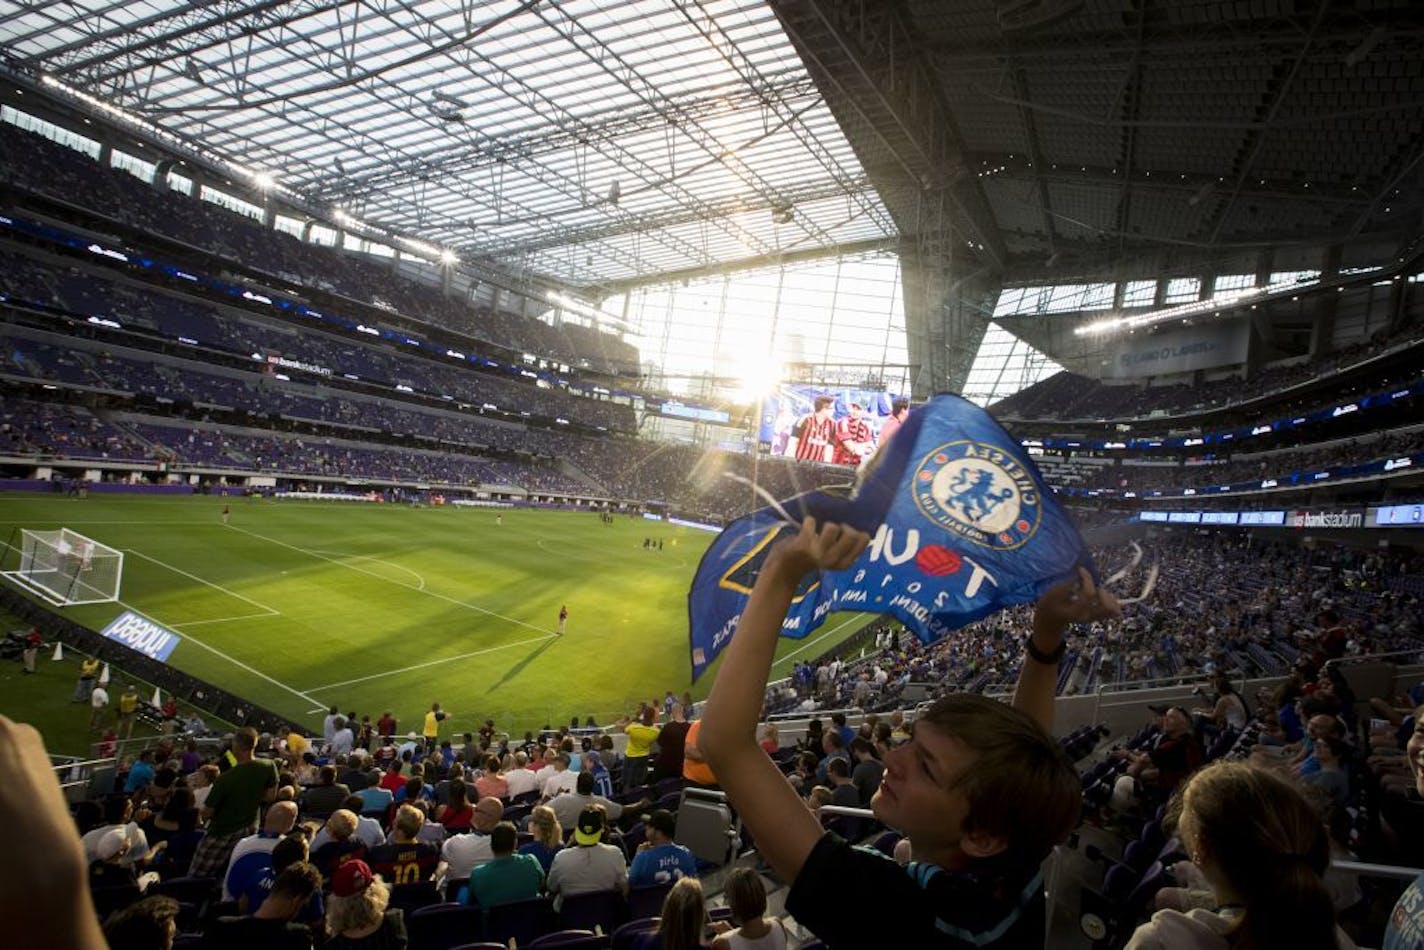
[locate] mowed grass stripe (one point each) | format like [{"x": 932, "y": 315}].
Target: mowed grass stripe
[{"x": 357, "y": 629}]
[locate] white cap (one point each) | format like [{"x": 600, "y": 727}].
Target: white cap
[{"x": 110, "y": 843}]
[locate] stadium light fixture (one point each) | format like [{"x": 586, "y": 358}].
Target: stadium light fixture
[{"x": 449, "y": 257}]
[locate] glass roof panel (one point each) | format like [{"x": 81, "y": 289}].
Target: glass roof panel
[{"x": 498, "y": 127}]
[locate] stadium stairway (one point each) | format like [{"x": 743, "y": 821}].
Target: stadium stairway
[{"x": 579, "y": 475}]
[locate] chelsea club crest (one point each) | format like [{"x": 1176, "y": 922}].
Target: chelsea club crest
[{"x": 980, "y": 493}]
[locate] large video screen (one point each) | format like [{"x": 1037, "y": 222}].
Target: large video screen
[{"x": 791, "y": 406}]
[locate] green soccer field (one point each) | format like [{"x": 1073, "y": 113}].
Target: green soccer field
[{"x": 301, "y": 605}]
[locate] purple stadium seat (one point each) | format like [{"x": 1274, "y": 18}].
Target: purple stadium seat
[
  {"x": 647, "y": 901},
  {"x": 593, "y": 910},
  {"x": 626, "y": 937},
  {"x": 519, "y": 920},
  {"x": 571, "y": 940},
  {"x": 442, "y": 926}
]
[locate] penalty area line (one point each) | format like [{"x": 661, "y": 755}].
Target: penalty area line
[
  {"x": 199, "y": 623},
  {"x": 271, "y": 612},
  {"x": 233, "y": 660},
  {"x": 381, "y": 577},
  {"x": 428, "y": 663}
]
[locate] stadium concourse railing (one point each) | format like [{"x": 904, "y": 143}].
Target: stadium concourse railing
[
  {"x": 1122, "y": 707},
  {"x": 81, "y": 778}
]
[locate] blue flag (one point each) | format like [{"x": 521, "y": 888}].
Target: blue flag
[{"x": 961, "y": 522}]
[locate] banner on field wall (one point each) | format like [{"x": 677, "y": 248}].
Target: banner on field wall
[
  {"x": 1181, "y": 351},
  {"x": 137, "y": 632}
]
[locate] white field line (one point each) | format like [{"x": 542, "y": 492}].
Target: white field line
[
  {"x": 810, "y": 643},
  {"x": 69, "y": 521},
  {"x": 421, "y": 666},
  {"x": 382, "y": 577},
  {"x": 234, "y": 661},
  {"x": 199, "y": 623},
  {"x": 368, "y": 557},
  {"x": 271, "y": 612}
]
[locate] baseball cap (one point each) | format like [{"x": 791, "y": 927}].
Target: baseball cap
[
  {"x": 111, "y": 843},
  {"x": 351, "y": 878},
  {"x": 589, "y": 829},
  {"x": 663, "y": 820}
]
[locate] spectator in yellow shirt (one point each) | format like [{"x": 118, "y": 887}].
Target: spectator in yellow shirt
[
  {"x": 433, "y": 719},
  {"x": 88, "y": 670},
  {"x": 641, "y": 736},
  {"x": 128, "y": 710}
]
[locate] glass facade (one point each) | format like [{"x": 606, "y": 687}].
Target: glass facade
[
  {"x": 833, "y": 321},
  {"x": 1004, "y": 365}
]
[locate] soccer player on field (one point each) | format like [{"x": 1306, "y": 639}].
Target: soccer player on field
[{"x": 563, "y": 619}]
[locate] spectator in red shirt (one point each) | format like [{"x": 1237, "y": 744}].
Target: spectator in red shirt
[
  {"x": 32, "y": 649},
  {"x": 386, "y": 726}
]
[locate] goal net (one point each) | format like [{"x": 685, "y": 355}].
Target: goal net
[{"x": 65, "y": 567}]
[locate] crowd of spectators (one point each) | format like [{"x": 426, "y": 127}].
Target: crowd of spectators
[
  {"x": 34, "y": 164},
  {"x": 420, "y": 817},
  {"x": 1067, "y": 395},
  {"x": 1216, "y": 603},
  {"x": 1307, "y": 460},
  {"x": 89, "y": 296}
]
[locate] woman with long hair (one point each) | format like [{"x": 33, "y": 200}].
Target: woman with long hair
[
  {"x": 684, "y": 918},
  {"x": 458, "y": 814},
  {"x": 179, "y": 814},
  {"x": 1263, "y": 849},
  {"x": 548, "y": 836},
  {"x": 1229, "y": 711}
]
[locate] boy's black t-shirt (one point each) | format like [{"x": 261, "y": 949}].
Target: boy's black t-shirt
[{"x": 927, "y": 905}]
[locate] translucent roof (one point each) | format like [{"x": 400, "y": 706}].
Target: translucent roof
[{"x": 590, "y": 141}]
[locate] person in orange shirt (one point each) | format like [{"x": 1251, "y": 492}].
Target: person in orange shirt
[{"x": 694, "y": 763}]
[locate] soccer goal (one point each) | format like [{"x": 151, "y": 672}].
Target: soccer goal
[{"x": 65, "y": 568}]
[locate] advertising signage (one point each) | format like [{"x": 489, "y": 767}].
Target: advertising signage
[{"x": 1397, "y": 516}]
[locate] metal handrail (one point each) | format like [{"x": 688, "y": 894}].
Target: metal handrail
[
  {"x": 82, "y": 763},
  {"x": 1368, "y": 657},
  {"x": 1160, "y": 681},
  {"x": 1377, "y": 870}
]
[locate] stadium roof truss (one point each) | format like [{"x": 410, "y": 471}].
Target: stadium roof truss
[
  {"x": 1111, "y": 131},
  {"x": 1099, "y": 142},
  {"x": 600, "y": 144},
  {"x": 1083, "y": 138}
]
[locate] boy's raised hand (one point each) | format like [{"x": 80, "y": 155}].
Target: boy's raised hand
[
  {"x": 829, "y": 547},
  {"x": 1078, "y": 600}
]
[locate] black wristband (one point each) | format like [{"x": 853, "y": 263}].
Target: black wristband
[{"x": 1048, "y": 659}]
